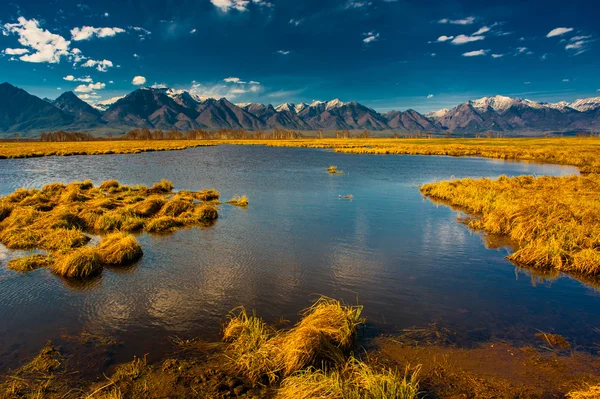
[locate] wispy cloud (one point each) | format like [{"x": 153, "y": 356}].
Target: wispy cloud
[
  {"x": 497, "y": 55},
  {"x": 101, "y": 66},
  {"x": 475, "y": 53},
  {"x": 238, "y": 5},
  {"x": 444, "y": 38},
  {"x": 464, "y": 21},
  {"x": 559, "y": 32},
  {"x": 283, "y": 52},
  {"x": 463, "y": 39},
  {"x": 370, "y": 37}
]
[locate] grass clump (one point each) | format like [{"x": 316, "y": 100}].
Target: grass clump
[
  {"x": 239, "y": 201},
  {"x": 60, "y": 218},
  {"x": 29, "y": 263},
  {"x": 334, "y": 170},
  {"x": 325, "y": 333},
  {"x": 119, "y": 249},
  {"x": 163, "y": 186},
  {"x": 208, "y": 195},
  {"x": 591, "y": 392},
  {"x": 354, "y": 380},
  {"x": 163, "y": 224},
  {"x": 554, "y": 221},
  {"x": 81, "y": 262}
]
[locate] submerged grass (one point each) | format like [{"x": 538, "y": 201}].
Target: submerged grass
[
  {"x": 239, "y": 200},
  {"x": 60, "y": 218},
  {"x": 554, "y": 220}
]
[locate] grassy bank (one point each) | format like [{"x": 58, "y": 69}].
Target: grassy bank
[
  {"x": 318, "y": 357},
  {"x": 581, "y": 152},
  {"x": 555, "y": 221},
  {"x": 57, "y": 222}
]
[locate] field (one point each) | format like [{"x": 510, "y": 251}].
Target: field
[{"x": 582, "y": 152}]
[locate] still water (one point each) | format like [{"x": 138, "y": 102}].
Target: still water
[{"x": 406, "y": 259}]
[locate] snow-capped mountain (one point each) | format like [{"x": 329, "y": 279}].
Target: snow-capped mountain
[{"x": 166, "y": 108}]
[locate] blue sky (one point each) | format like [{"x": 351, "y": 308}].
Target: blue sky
[{"x": 386, "y": 54}]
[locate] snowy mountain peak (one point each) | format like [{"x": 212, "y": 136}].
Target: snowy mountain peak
[
  {"x": 336, "y": 103},
  {"x": 497, "y": 103},
  {"x": 290, "y": 107},
  {"x": 438, "y": 114},
  {"x": 586, "y": 104}
]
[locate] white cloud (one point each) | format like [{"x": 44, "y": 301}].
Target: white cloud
[
  {"x": 521, "y": 50},
  {"x": 138, "y": 80},
  {"x": 106, "y": 14},
  {"x": 239, "y": 5},
  {"x": 89, "y": 88},
  {"x": 442, "y": 39},
  {"x": 526, "y": 83},
  {"x": 90, "y": 96},
  {"x": 575, "y": 46},
  {"x": 370, "y": 37},
  {"x": 283, "y": 52},
  {"x": 430, "y": 96},
  {"x": 110, "y": 101},
  {"x": 85, "y": 79},
  {"x": 47, "y": 46},
  {"x": 59, "y": 88},
  {"x": 15, "y": 51},
  {"x": 101, "y": 66},
  {"x": 497, "y": 55},
  {"x": 482, "y": 30},
  {"x": 253, "y": 82},
  {"x": 475, "y": 53},
  {"x": 234, "y": 80},
  {"x": 465, "y": 21},
  {"x": 193, "y": 31},
  {"x": 136, "y": 56},
  {"x": 463, "y": 39},
  {"x": 296, "y": 22},
  {"x": 566, "y": 80},
  {"x": 159, "y": 85},
  {"x": 357, "y": 4},
  {"x": 88, "y": 32},
  {"x": 432, "y": 54},
  {"x": 559, "y": 32}
]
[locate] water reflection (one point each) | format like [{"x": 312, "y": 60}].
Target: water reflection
[{"x": 407, "y": 260}]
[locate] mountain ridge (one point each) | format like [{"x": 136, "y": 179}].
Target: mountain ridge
[{"x": 170, "y": 109}]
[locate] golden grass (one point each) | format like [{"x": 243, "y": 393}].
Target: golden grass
[
  {"x": 24, "y": 149},
  {"x": 583, "y": 152},
  {"x": 555, "y": 221},
  {"x": 238, "y": 200},
  {"x": 323, "y": 336},
  {"x": 591, "y": 392},
  {"x": 119, "y": 249},
  {"x": 355, "y": 380},
  {"x": 29, "y": 263},
  {"x": 59, "y": 218},
  {"x": 334, "y": 170},
  {"x": 79, "y": 263}
]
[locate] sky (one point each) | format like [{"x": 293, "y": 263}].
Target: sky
[{"x": 386, "y": 54}]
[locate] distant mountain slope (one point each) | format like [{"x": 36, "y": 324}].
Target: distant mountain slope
[
  {"x": 168, "y": 109},
  {"x": 22, "y": 112}
]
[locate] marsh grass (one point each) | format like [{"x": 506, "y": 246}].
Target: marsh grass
[
  {"x": 29, "y": 263},
  {"x": 119, "y": 249},
  {"x": 591, "y": 392},
  {"x": 555, "y": 221},
  {"x": 238, "y": 201},
  {"x": 59, "y": 219},
  {"x": 78, "y": 263},
  {"x": 324, "y": 335},
  {"x": 334, "y": 170}
]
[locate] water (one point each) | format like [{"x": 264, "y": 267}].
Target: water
[{"x": 404, "y": 258}]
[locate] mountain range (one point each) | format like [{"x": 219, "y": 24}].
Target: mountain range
[{"x": 166, "y": 109}]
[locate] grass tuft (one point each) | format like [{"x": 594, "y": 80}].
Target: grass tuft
[
  {"x": 163, "y": 186},
  {"x": 119, "y": 249},
  {"x": 81, "y": 262},
  {"x": 238, "y": 201},
  {"x": 29, "y": 263}
]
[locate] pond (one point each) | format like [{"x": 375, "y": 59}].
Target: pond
[{"x": 406, "y": 259}]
